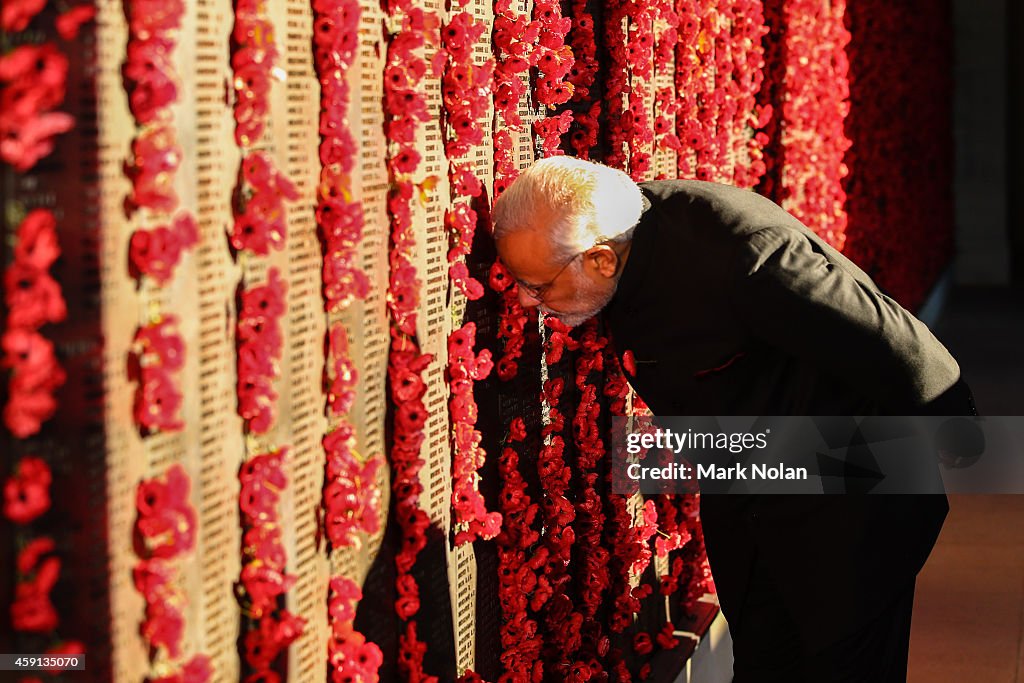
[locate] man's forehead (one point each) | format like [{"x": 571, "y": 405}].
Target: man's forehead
[{"x": 525, "y": 252}]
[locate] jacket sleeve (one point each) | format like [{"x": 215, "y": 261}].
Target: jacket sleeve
[{"x": 790, "y": 294}]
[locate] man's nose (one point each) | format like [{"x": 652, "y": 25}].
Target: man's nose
[{"x": 527, "y": 300}]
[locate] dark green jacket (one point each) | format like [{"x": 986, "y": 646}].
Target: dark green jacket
[{"x": 732, "y": 307}]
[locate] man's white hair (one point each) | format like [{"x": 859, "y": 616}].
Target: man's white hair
[{"x": 590, "y": 203}]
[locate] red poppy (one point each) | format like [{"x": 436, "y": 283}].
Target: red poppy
[
  {"x": 36, "y": 243},
  {"x": 17, "y": 14},
  {"x": 157, "y": 401},
  {"x": 152, "y": 578},
  {"x": 33, "y": 612},
  {"x": 164, "y": 626},
  {"x": 69, "y": 23},
  {"x": 27, "y": 492}
]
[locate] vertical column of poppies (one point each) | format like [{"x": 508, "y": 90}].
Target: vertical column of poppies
[
  {"x": 33, "y": 84},
  {"x": 520, "y": 590},
  {"x": 351, "y": 498},
  {"x": 747, "y": 140},
  {"x": 618, "y": 128},
  {"x": 666, "y": 103},
  {"x": 405, "y": 110},
  {"x": 585, "y": 128},
  {"x": 514, "y": 37},
  {"x": 259, "y": 216},
  {"x": 722, "y": 100},
  {"x": 33, "y": 616},
  {"x": 466, "y": 366},
  {"x": 163, "y": 232},
  {"x": 33, "y": 77},
  {"x": 352, "y": 659},
  {"x": 467, "y": 96},
  {"x": 551, "y": 87},
  {"x": 558, "y": 616},
  {"x": 696, "y": 113},
  {"x": 685, "y": 77},
  {"x": 264, "y": 581},
  {"x": 33, "y": 299},
  {"x": 636, "y": 120},
  {"x": 163, "y": 534},
  {"x": 259, "y": 228},
  {"x": 770, "y": 100},
  {"x": 590, "y": 556},
  {"x": 898, "y": 192},
  {"x": 813, "y": 112}
]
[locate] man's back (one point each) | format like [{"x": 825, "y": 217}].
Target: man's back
[{"x": 731, "y": 306}]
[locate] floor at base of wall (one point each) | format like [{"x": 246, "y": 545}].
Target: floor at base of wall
[{"x": 969, "y": 605}]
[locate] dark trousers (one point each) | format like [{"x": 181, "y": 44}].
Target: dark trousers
[{"x": 767, "y": 647}]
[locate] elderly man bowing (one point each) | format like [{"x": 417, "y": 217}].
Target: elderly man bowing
[{"x": 731, "y": 306}]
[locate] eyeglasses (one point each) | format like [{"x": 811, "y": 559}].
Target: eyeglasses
[{"x": 537, "y": 291}]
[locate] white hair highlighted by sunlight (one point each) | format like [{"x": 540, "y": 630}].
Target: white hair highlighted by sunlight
[{"x": 587, "y": 203}]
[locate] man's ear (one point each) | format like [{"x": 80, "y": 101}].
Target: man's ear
[{"x": 604, "y": 259}]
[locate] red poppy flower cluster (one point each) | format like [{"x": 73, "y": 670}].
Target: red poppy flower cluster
[
  {"x": 165, "y": 529},
  {"x": 405, "y": 375},
  {"x": 592, "y": 555},
  {"x": 17, "y": 14},
  {"x": 33, "y": 80},
  {"x": 582, "y": 42},
  {"x": 263, "y": 581},
  {"x": 518, "y": 563},
  {"x": 556, "y": 610},
  {"x": 512, "y": 321},
  {"x": 38, "y": 570},
  {"x": 549, "y": 131},
  {"x": 665, "y": 101},
  {"x": 148, "y": 71},
  {"x": 156, "y": 252},
  {"x": 552, "y": 57},
  {"x": 158, "y": 354},
  {"x": 352, "y": 659},
  {"x": 260, "y": 223},
  {"x": 26, "y": 497},
  {"x": 252, "y": 60},
  {"x": 466, "y": 93},
  {"x": 27, "y": 490},
  {"x": 152, "y": 87},
  {"x": 616, "y": 83},
  {"x": 339, "y": 215},
  {"x": 151, "y": 167},
  {"x": 405, "y": 109},
  {"x": 351, "y": 496},
  {"x": 747, "y": 76},
  {"x": 466, "y": 86},
  {"x": 33, "y": 298},
  {"x": 554, "y": 61},
  {"x": 636, "y": 121},
  {"x": 260, "y": 345},
  {"x": 514, "y": 37},
  {"x": 900, "y": 61},
  {"x": 813, "y": 113},
  {"x": 342, "y": 378},
  {"x": 464, "y": 367}
]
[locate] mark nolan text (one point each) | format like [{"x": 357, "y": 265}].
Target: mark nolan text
[{"x": 753, "y": 471}]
